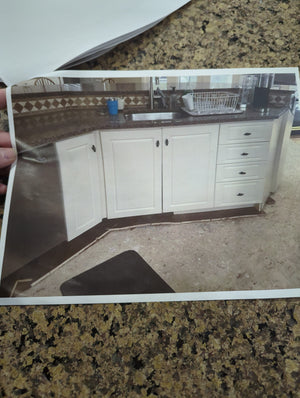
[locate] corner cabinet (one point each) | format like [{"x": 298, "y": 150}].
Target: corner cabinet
[{"x": 82, "y": 183}]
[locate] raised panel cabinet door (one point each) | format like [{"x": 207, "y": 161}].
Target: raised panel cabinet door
[
  {"x": 132, "y": 168},
  {"x": 78, "y": 160},
  {"x": 189, "y": 167}
]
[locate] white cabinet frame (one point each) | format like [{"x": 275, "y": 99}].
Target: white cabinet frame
[{"x": 80, "y": 161}]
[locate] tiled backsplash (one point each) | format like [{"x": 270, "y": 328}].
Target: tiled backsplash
[
  {"x": 3, "y": 120},
  {"x": 44, "y": 103},
  {"x": 279, "y": 98},
  {"x": 71, "y": 101}
]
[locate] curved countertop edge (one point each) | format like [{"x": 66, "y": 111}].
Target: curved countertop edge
[{"x": 36, "y": 130}]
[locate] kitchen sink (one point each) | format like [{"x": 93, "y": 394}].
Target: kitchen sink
[{"x": 139, "y": 117}]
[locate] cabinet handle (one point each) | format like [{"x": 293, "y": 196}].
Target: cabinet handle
[
  {"x": 244, "y": 154},
  {"x": 157, "y": 143},
  {"x": 242, "y": 172},
  {"x": 247, "y": 133},
  {"x": 94, "y": 148},
  {"x": 240, "y": 194},
  {"x": 167, "y": 142}
]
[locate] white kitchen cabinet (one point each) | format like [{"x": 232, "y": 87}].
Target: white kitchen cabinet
[
  {"x": 285, "y": 123},
  {"x": 132, "y": 166},
  {"x": 243, "y": 163},
  {"x": 148, "y": 171},
  {"x": 189, "y": 163},
  {"x": 234, "y": 133},
  {"x": 237, "y": 153},
  {"x": 159, "y": 170},
  {"x": 82, "y": 182},
  {"x": 240, "y": 171},
  {"x": 239, "y": 193}
]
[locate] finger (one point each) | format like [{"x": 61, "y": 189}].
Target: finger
[
  {"x": 4, "y": 171},
  {"x": 7, "y": 156},
  {"x": 2, "y": 98},
  {"x": 5, "y": 141},
  {"x": 2, "y": 189}
]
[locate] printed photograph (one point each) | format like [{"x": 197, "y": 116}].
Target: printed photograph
[{"x": 156, "y": 182}]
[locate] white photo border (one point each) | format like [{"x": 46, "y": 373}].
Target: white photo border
[{"x": 132, "y": 298}]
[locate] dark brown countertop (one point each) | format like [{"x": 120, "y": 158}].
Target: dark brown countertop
[{"x": 35, "y": 130}]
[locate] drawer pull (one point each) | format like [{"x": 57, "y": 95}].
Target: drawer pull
[
  {"x": 167, "y": 142},
  {"x": 240, "y": 194},
  {"x": 242, "y": 172},
  {"x": 244, "y": 154},
  {"x": 247, "y": 133},
  {"x": 157, "y": 143}
]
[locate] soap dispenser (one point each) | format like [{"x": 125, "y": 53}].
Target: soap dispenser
[{"x": 173, "y": 99}]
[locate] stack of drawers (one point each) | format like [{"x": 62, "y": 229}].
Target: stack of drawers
[{"x": 242, "y": 163}]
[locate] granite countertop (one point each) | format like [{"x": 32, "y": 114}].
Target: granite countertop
[
  {"x": 238, "y": 348},
  {"x": 197, "y": 349},
  {"x": 35, "y": 130}
]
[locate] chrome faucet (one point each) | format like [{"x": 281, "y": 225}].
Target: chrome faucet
[
  {"x": 162, "y": 97},
  {"x": 151, "y": 94},
  {"x": 156, "y": 94}
]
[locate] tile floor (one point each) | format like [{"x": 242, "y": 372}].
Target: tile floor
[{"x": 256, "y": 252}]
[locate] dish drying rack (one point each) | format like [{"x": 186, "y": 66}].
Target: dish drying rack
[{"x": 212, "y": 102}]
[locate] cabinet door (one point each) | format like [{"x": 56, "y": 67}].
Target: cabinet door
[
  {"x": 189, "y": 159},
  {"x": 132, "y": 168},
  {"x": 79, "y": 167},
  {"x": 284, "y": 133}
]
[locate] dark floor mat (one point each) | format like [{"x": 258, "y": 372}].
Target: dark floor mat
[{"x": 126, "y": 273}]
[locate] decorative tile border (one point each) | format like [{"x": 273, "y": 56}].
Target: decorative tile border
[
  {"x": 45, "y": 104},
  {"x": 281, "y": 99},
  {"x": 62, "y": 102},
  {"x": 3, "y": 120}
]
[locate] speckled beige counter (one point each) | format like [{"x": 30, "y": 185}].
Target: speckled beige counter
[
  {"x": 195, "y": 349},
  {"x": 215, "y": 34},
  {"x": 217, "y": 349}
]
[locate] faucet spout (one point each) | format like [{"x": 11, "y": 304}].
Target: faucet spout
[
  {"x": 162, "y": 97},
  {"x": 151, "y": 94}
]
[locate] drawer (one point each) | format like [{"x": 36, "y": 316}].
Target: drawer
[
  {"x": 242, "y": 153},
  {"x": 233, "y": 193},
  {"x": 245, "y": 132},
  {"x": 241, "y": 171}
]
